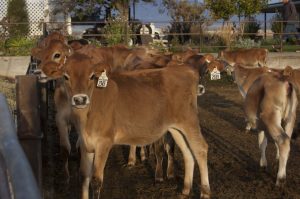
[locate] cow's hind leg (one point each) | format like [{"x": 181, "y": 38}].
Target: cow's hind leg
[
  {"x": 273, "y": 122},
  {"x": 262, "y": 144},
  {"x": 159, "y": 152},
  {"x": 101, "y": 153},
  {"x": 188, "y": 160},
  {"x": 169, "y": 147},
  {"x": 199, "y": 148}
]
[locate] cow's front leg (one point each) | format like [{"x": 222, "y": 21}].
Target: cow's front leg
[
  {"x": 101, "y": 153},
  {"x": 86, "y": 167},
  {"x": 132, "y": 156}
]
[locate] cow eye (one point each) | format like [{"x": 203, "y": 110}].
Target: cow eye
[
  {"x": 56, "y": 56},
  {"x": 66, "y": 76}
]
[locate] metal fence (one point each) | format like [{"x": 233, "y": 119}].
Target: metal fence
[
  {"x": 17, "y": 179},
  {"x": 208, "y": 36}
]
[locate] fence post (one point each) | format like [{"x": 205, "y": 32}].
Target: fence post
[
  {"x": 281, "y": 32},
  {"x": 28, "y": 125}
]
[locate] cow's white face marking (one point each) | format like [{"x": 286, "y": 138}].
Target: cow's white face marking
[
  {"x": 207, "y": 60},
  {"x": 102, "y": 80}
]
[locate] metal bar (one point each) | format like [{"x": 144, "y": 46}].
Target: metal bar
[
  {"x": 4, "y": 188},
  {"x": 29, "y": 128},
  {"x": 22, "y": 180},
  {"x": 43, "y": 87}
]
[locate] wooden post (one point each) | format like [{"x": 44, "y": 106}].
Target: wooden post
[{"x": 28, "y": 125}]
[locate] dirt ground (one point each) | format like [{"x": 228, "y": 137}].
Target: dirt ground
[{"x": 233, "y": 160}]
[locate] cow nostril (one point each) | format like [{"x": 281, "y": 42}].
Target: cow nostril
[{"x": 80, "y": 100}]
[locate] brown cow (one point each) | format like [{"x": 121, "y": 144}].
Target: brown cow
[
  {"x": 246, "y": 57},
  {"x": 244, "y": 77},
  {"x": 272, "y": 100},
  {"x": 135, "y": 108},
  {"x": 58, "y": 51}
]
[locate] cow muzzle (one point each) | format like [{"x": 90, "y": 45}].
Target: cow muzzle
[
  {"x": 80, "y": 100},
  {"x": 42, "y": 77}
]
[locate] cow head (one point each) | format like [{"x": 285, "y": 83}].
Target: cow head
[
  {"x": 56, "y": 51},
  {"x": 183, "y": 56},
  {"x": 215, "y": 64},
  {"x": 80, "y": 77}
]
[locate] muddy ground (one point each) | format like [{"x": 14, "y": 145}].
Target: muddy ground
[{"x": 233, "y": 160}]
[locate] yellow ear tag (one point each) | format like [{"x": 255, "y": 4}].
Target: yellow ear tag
[{"x": 102, "y": 80}]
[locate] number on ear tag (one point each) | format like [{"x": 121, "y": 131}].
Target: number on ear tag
[
  {"x": 215, "y": 74},
  {"x": 102, "y": 80}
]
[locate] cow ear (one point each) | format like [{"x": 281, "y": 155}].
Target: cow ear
[
  {"x": 209, "y": 58},
  {"x": 69, "y": 51},
  {"x": 287, "y": 72},
  {"x": 53, "y": 70},
  {"x": 37, "y": 53},
  {"x": 100, "y": 68}
]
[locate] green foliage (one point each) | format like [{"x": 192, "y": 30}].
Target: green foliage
[
  {"x": 246, "y": 43},
  {"x": 18, "y": 46},
  {"x": 186, "y": 17},
  {"x": 227, "y": 8},
  {"x": 17, "y": 16},
  {"x": 114, "y": 31},
  {"x": 251, "y": 28}
]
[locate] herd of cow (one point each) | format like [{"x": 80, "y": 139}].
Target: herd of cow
[{"x": 116, "y": 95}]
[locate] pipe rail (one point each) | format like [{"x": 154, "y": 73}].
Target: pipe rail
[{"x": 19, "y": 173}]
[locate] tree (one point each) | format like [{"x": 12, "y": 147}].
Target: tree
[
  {"x": 186, "y": 18},
  {"x": 17, "y": 18},
  {"x": 227, "y": 8}
]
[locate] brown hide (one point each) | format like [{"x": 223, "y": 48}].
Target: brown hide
[
  {"x": 244, "y": 77},
  {"x": 247, "y": 57}
]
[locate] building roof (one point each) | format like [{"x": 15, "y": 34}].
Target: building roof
[{"x": 277, "y": 7}]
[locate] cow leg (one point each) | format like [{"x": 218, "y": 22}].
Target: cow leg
[
  {"x": 143, "y": 153},
  {"x": 188, "y": 160},
  {"x": 199, "y": 147},
  {"x": 132, "y": 156},
  {"x": 273, "y": 123},
  {"x": 86, "y": 167},
  {"x": 159, "y": 152},
  {"x": 262, "y": 143},
  {"x": 101, "y": 153},
  {"x": 65, "y": 146},
  {"x": 170, "y": 147}
]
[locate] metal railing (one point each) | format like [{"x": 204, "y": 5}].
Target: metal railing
[
  {"x": 19, "y": 178},
  {"x": 205, "y": 34}
]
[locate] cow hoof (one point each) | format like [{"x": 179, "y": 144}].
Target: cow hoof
[
  {"x": 247, "y": 131},
  {"x": 280, "y": 182},
  {"x": 205, "y": 192},
  {"x": 170, "y": 176},
  {"x": 129, "y": 165},
  {"x": 159, "y": 179},
  {"x": 183, "y": 196}
]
